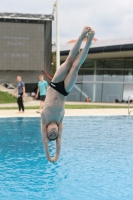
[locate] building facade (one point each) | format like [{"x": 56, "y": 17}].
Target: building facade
[
  {"x": 25, "y": 46},
  {"x": 107, "y": 73}
]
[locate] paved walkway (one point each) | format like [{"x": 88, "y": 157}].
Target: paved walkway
[{"x": 68, "y": 112}]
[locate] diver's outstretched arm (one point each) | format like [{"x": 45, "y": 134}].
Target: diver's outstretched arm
[
  {"x": 45, "y": 141},
  {"x": 47, "y": 150},
  {"x": 58, "y": 144}
]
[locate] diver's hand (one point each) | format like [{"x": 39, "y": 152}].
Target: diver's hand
[{"x": 54, "y": 159}]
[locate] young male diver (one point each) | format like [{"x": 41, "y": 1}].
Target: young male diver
[{"x": 60, "y": 86}]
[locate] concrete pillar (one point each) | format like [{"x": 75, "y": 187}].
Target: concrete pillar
[{"x": 94, "y": 85}]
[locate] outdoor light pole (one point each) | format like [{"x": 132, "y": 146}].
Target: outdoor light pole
[{"x": 57, "y": 36}]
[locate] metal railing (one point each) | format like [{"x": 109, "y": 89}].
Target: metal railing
[
  {"x": 129, "y": 98},
  {"x": 10, "y": 85}
]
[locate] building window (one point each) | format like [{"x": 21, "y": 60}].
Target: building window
[
  {"x": 111, "y": 92},
  {"x": 93, "y": 91},
  {"x": 113, "y": 75},
  {"x": 104, "y": 80}
]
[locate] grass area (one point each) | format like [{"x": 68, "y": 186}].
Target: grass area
[
  {"x": 73, "y": 107},
  {"x": 6, "y": 98},
  {"x": 94, "y": 106}
]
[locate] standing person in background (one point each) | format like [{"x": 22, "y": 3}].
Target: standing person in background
[
  {"x": 42, "y": 88},
  {"x": 21, "y": 92}
]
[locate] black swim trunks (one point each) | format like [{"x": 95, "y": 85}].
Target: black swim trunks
[
  {"x": 42, "y": 97},
  {"x": 59, "y": 87}
]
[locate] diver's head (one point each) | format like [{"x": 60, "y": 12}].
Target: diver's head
[{"x": 52, "y": 131}]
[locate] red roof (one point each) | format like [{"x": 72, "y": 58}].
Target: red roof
[{"x": 73, "y": 41}]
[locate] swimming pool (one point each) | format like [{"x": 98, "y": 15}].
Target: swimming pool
[{"x": 96, "y": 161}]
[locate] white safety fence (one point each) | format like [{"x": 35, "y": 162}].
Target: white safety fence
[{"x": 129, "y": 98}]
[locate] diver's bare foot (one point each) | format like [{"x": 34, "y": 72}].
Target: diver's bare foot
[
  {"x": 91, "y": 32},
  {"x": 90, "y": 36},
  {"x": 85, "y": 30}
]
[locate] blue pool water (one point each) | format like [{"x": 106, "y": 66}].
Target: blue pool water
[{"x": 96, "y": 160}]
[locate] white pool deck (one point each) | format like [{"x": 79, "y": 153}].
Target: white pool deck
[{"x": 68, "y": 112}]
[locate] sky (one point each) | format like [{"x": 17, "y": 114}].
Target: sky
[{"x": 111, "y": 19}]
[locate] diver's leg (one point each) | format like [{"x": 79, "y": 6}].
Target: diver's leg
[
  {"x": 63, "y": 70},
  {"x": 72, "y": 75}
]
